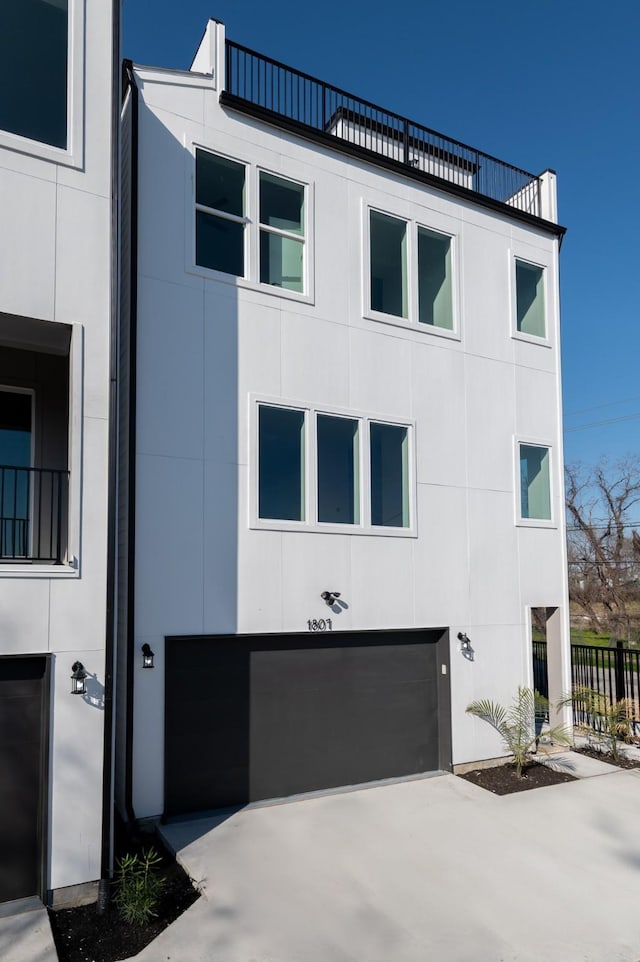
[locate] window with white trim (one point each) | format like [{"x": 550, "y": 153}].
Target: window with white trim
[
  {"x": 225, "y": 226},
  {"x": 220, "y": 213},
  {"x": 326, "y": 469},
  {"x": 530, "y": 309},
  {"x": 34, "y": 70},
  {"x": 535, "y": 482},
  {"x": 400, "y": 249}
]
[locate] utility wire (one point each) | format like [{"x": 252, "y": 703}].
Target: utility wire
[
  {"x": 599, "y": 407},
  {"x": 599, "y": 424}
]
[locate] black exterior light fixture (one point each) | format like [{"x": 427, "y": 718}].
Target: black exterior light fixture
[
  {"x": 78, "y": 678},
  {"x": 465, "y": 641},
  {"x": 329, "y": 597},
  {"x": 147, "y": 656}
]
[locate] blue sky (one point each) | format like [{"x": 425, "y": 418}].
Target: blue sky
[{"x": 554, "y": 83}]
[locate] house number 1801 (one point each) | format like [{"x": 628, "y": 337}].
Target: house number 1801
[{"x": 320, "y": 624}]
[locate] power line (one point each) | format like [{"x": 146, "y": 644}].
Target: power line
[
  {"x": 599, "y": 407},
  {"x": 598, "y": 424}
]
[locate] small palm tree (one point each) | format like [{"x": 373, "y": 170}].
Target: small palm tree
[
  {"x": 516, "y": 725},
  {"x": 607, "y": 722}
]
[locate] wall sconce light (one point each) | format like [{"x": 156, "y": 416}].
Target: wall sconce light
[
  {"x": 465, "y": 641},
  {"x": 329, "y": 597},
  {"x": 147, "y": 656},
  {"x": 78, "y": 678}
]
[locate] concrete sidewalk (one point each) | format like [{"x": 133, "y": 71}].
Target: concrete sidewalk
[
  {"x": 430, "y": 870},
  {"x": 26, "y": 937}
]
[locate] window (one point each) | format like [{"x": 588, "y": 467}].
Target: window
[
  {"x": 435, "y": 302},
  {"x": 220, "y": 213},
  {"x": 34, "y": 67},
  {"x": 388, "y": 240},
  {"x": 530, "y": 317},
  {"x": 226, "y": 221},
  {"x": 338, "y": 470},
  {"x": 389, "y": 476},
  {"x": 358, "y": 470},
  {"x": 15, "y": 462},
  {"x": 399, "y": 250},
  {"x": 281, "y": 233},
  {"x": 281, "y": 474},
  {"x": 535, "y": 488}
]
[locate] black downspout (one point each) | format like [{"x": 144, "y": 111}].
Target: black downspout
[
  {"x": 133, "y": 341},
  {"x": 106, "y": 858}
]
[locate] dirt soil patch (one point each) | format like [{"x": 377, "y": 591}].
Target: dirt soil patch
[
  {"x": 502, "y": 779},
  {"x": 81, "y": 935},
  {"x": 606, "y": 756}
]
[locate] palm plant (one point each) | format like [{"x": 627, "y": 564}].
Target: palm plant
[
  {"x": 607, "y": 722},
  {"x": 516, "y": 725}
]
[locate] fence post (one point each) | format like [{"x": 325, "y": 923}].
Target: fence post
[{"x": 619, "y": 657}]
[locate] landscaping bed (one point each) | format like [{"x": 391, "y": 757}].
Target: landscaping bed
[
  {"x": 502, "y": 779},
  {"x": 81, "y": 935},
  {"x": 606, "y": 756}
]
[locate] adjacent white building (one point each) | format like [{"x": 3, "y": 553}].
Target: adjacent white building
[
  {"x": 57, "y": 75},
  {"x": 341, "y": 338}
]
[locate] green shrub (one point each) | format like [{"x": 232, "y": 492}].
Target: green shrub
[
  {"x": 606, "y": 722},
  {"x": 138, "y": 886},
  {"x": 517, "y": 725}
]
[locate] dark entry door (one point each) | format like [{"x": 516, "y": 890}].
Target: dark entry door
[
  {"x": 23, "y": 702},
  {"x": 258, "y": 717}
]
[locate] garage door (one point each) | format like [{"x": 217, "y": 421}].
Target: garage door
[
  {"x": 23, "y": 713},
  {"x": 256, "y": 717}
]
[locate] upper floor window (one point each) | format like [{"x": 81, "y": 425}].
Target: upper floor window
[
  {"x": 227, "y": 219},
  {"x": 220, "y": 213},
  {"x": 530, "y": 312},
  {"x": 535, "y": 483},
  {"x": 281, "y": 232},
  {"x": 330, "y": 470},
  {"x": 34, "y": 68},
  {"x": 400, "y": 250}
]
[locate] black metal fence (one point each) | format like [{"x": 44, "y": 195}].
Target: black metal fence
[
  {"x": 297, "y": 100},
  {"x": 33, "y": 512},
  {"x": 614, "y": 672}
]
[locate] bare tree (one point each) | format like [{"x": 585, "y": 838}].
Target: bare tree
[{"x": 604, "y": 544}]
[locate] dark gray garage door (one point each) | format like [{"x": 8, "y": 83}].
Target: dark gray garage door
[
  {"x": 255, "y": 717},
  {"x": 23, "y": 713}
]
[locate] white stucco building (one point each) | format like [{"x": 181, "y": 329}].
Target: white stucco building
[
  {"x": 342, "y": 341},
  {"x": 55, "y": 319}
]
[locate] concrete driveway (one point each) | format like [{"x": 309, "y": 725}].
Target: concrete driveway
[{"x": 429, "y": 870}]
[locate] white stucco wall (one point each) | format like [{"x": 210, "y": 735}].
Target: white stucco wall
[
  {"x": 55, "y": 266},
  {"x": 207, "y": 346}
]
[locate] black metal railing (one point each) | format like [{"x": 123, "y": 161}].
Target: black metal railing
[
  {"x": 613, "y": 672},
  {"x": 33, "y": 513},
  {"x": 294, "y": 99}
]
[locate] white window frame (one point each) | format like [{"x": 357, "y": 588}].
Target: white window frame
[
  {"x": 534, "y": 522},
  {"x": 516, "y": 256},
  {"x": 251, "y": 278},
  {"x": 310, "y": 501},
  {"x": 73, "y": 154},
  {"x": 223, "y": 215},
  {"x": 300, "y": 238},
  {"x": 434, "y": 225}
]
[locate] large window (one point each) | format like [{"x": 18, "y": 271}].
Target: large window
[
  {"x": 388, "y": 238},
  {"x": 358, "y": 470},
  {"x": 220, "y": 213},
  {"x": 399, "y": 250},
  {"x": 281, "y": 233},
  {"x": 389, "y": 476},
  {"x": 535, "y": 487},
  {"x": 281, "y": 477},
  {"x": 226, "y": 224},
  {"x": 530, "y": 315},
  {"x": 34, "y": 68}
]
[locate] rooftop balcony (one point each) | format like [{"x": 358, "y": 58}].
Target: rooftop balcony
[{"x": 316, "y": 110}]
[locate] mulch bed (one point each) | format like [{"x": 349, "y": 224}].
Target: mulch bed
[
  {"x": 606, "y": 756},
  {"x": 502, "y": 779},
  {"x": 81, "y": 935}
]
